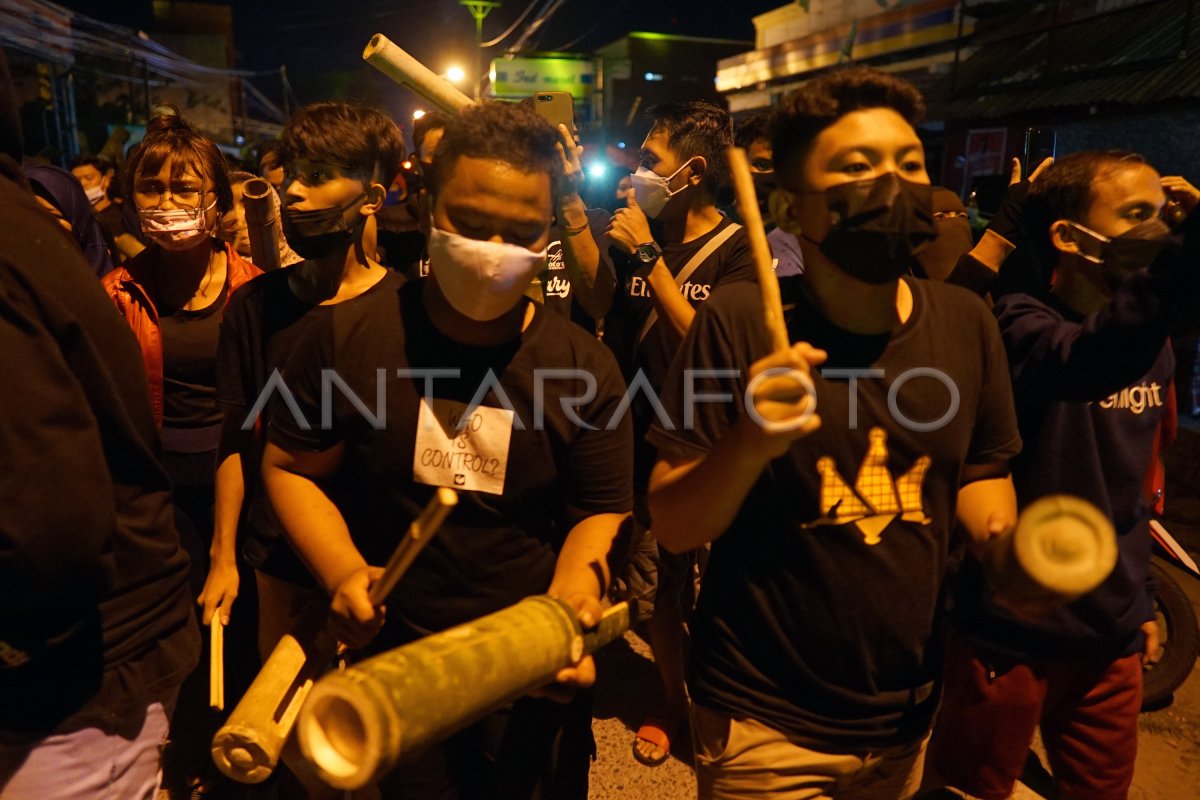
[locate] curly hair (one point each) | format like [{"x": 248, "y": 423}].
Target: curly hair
[
  {"x": 803, "y": 114},
  {"x": 502, "y": 131},
  {"x": 364, "y": 142},
  {"x": 169, "y": 136},
  {"x": 697, "y": 129},
  {"x": 752, "y": 129}
]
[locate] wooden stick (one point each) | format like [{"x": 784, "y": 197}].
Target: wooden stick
[
  {"x": 248, "y": 746},
  {"x": 743, "y": 185},
  {"x": 418, "y": 535},
  {"x": 216, "y": 665}
]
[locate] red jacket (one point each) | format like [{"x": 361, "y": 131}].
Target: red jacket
[{"x": 124, "y": 286}]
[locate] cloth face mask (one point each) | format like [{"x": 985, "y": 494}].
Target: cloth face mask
[
  {"x": 481, "y": 280},
  {"x": 323, "y": 231},
  {"x": 1119, "y": 257},
  {"x": 177, "y": 228},
  {"x": 877, "y": 226}
]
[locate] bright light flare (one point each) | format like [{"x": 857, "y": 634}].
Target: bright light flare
[
  {"x": 418, "y": 113},
  {"x": 455, "y": 75},
  {"x": 597, "y": 170}
]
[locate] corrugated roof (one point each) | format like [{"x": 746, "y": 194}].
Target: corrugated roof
[{"x": 1135, "y": 56}]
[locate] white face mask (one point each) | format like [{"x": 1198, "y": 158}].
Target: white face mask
[
  {"x": 176, "y": 229},
  {"x": 652, "y": 190},
  {"x": 94, "y": 194},
  {"x": 481, "y": 280}
]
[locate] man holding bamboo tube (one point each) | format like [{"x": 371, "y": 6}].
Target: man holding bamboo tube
[
  {"x": 459, "y": 380},
  {"x": 831, "y": 494}
]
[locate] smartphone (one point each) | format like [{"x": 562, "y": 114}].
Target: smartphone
[
  {"x": 557, "y": 108},
  {"x": 1040, "y": 144}
]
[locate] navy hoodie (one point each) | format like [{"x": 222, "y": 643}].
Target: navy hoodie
[{"x": 1090, "y": 394}]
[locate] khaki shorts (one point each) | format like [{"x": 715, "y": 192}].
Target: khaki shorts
[{"x": 746, "y": 760}]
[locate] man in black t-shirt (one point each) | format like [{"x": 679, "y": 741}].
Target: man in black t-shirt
[
  {"x": 459, "y": 380},
  {"x": 665, "y": 269},
  {"x": 336, "y": 155},
  {"x": 815, "y": 643}
]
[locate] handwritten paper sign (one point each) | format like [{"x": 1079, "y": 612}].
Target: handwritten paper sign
[{"x": 464, "y": 452}]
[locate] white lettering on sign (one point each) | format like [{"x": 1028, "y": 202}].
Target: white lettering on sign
[{"x": 461, "y": 447}]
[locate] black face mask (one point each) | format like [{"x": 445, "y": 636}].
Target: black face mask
[
  {"x": 878, "y": 225},
  {"x": 1122, "y": 256},
  {"x": 325, "y": 231}
]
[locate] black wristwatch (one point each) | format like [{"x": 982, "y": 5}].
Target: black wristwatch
[{"x": 648, "y": 253}]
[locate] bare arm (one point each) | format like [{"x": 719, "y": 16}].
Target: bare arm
[
  {"x": 986, "y": 510},
  {"x": 221, "y": 586},
  {"x": 727, "y": 473},
  {"x": 315, "y": 527},
  {"x": 593, "y": 285},
  {"x": 629, "y": 229}
]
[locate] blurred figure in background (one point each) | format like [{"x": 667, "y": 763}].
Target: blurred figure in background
[{"x": 60, "y": 194}]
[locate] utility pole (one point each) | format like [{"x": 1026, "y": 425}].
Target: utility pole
[{"x": 479, "y": 10}]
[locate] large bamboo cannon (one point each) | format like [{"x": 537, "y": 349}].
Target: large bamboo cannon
[
  {"x": 1063, "y": 547},
  {"x": 248, "y": 746},
  {"x": 360, "y": 722},
  {"x": 262, "y": 224},
  {"x": 386, "y": 56}
]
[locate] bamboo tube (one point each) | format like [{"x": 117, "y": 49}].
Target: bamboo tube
[
  {"x": 262, "y": 224},
  {"x": 360, "y": 722},
  {"x": 1063, "y": 547},
  {"x": 384, "y": 55},
  {"x": 248, "y": 746}
]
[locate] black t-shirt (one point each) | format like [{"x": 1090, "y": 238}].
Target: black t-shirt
[
  {"x": 264, "y": 324},
  {"x": 632, "y": 305},
  {"x": 189, "y": 344},
  {"x": 556, "y": 281},
  {"x": 525, "y": 480},
  {"x": 821, "y": 610}
]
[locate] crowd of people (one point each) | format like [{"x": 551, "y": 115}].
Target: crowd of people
[{"x": 804, "y": 528}]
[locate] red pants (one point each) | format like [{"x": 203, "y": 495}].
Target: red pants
[{"x": 991, "y": 705}]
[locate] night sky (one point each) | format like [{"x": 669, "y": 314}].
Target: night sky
[{"x": 321, "y": 41}]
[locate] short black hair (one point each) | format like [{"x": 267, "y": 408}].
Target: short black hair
[
  {"x": 821, "y": 102},
  {"x": 502, "y": 131},
  {"x": 169, "y": 136},
  {"x": 365, "y": 142},
  {"x": 752, "y": 129},
  {"x": 431, "y": 121},
  {"x": 696, "y": 129},
  {"x": 1064, "y": 190},
  {"x": 102, "y": 165}
]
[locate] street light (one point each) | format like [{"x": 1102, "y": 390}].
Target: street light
[
  {"x": 418, "y": 114},
  {"x": 479, "y": 9},
  {"x": 455, "y": 74}
]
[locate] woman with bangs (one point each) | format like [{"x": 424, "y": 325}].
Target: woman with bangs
[{"x": 173, "y": 295}]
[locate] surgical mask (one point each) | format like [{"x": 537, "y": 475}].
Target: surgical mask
[
  {"x": 177, "y": 228},
  {"x": 481, "y": 280},
  {"x": 877, "y": 226},
  {"x": 323, "y": 231},
  {"x": 1121, "y": 256},
  {"x": 652, "y": 191},
  {"x": 94, "y": 194},
  {"x": 764, "y": 184}
]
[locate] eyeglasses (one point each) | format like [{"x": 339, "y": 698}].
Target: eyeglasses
[{"x": 152, "y": 197}]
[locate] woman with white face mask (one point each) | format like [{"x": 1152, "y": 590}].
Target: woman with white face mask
[{"x": 173, "y": 296}]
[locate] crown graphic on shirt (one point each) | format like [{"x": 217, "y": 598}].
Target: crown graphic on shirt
[{"x": 876, "y": 497}]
